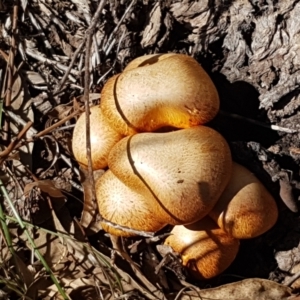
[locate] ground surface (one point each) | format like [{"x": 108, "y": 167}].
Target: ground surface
[{"x": 249, "y": 49}]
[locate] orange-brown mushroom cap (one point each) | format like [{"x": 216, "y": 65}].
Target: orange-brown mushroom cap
[
  {"x": 165, "y": 90},
  {"x": 103, "y": 138},
  {"x": 185, "y": 170},
  {"x": 206, "y": 250},
  {"x": 245, "y": 209},
  {"x": 119, "y": 204}
]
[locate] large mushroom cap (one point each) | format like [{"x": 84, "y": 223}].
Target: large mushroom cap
[
  {"x": 185, "y": 170},
  {"x": 121, "y": 205},
  {"x": 157, "y": 91}
]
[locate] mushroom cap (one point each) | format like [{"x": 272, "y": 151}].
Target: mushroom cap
[
  {"x": 119, "y": 204},
  {"x": 185, "y": 170},
  {"x": 165, "y": 90},
  {"x": 103, "y": 137},
  {"x": 206, "y": 250},
  {"x": 245, "y": 209}
]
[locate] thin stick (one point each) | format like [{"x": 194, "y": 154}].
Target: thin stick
[
  {"x": 10, "y": 68},
  {"x": 115, "y": 60},
  {"x": 40, "y": 57},
  {"x": 89, "y": 34},
  {"x": 57, "y": 124},
  {"x": 108, "y": 45},
  {"x": 67, "y": 72},
  {"x": 90, "y": 176},
  {"x": 44, "y": 132},
  {"x": 11, "y": 57},
  {"x": 273, "y": 127},
  {"x": 4, "y": 154}
]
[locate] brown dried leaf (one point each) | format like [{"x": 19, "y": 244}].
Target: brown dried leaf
[
  {"x": 17, "y": 92},
  {"x": 36, "y": 192},
  {"x": 53, "y": 251},
  {"x": 63, "y": 220},
  {"x": 46, "y": 186},
  {"x": 34, "y": 78},
  {"x": 26, "y": 276},
  {"x": 247, "y": 289},
  {"x": 261, "y": 49},
  {"x": 38, "y": 285},
  {"x": 198, "y": 15},
  {"x": 152, "y": 30},
  {"x": 61, "y": 111}
]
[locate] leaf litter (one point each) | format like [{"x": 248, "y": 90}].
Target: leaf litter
[{"x": 248, "y": 47}]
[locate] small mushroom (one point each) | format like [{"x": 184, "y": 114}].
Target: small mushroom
[
  {"x": 119, "y": 204},
  {"x": 206, "y": 250},
  {"x": 245, "y": 209},
  {"x": 103, "y": 138}
]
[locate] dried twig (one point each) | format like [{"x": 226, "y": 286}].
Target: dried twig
[
  {"x": 273, "y": 127},
  {"x": 68, "y": 70},
  {"x": 40, "y": 30},
  {"x": 90, "y": 176},
  {"x": 11, "y": 58},
  {"x": 89, "y": 34},
  {"x": 40, "y": 57},
  {"x": 110, "y": 41},
  {"x": 10, "y": 68},
  {"x": 115, "y": 60},
  {"x": 4, "y": 154},
  {"x": 57, "y": 124}
]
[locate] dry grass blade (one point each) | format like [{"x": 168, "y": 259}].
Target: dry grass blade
[
  {"x": 23, "y": 227},
  {"x": 153, "y": 290},
  {"x": 86, "y": 255}
]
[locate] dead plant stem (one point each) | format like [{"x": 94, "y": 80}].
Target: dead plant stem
[
  {"x": 11, "y": 58},
  {"x": 10, "y": 68},
  {"x": 57, "y": 124},
  {"x": 89, "y": 35},
  {"x": 67, "y": 72},
  {"x": 4, "y": 154}
]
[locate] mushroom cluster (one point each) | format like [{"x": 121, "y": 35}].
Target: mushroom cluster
[{"x": 165, "y": 167}]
